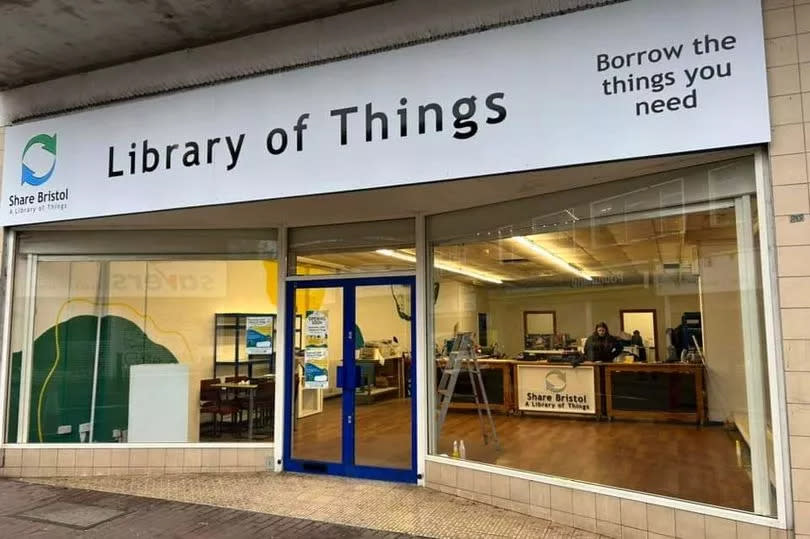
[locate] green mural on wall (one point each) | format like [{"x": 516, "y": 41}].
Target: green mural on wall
[{"x": 67, "y": 395}]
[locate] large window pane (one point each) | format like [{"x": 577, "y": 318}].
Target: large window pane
[
  {"x": 60, "y": 373},
  {"x": 317, "y": 414},
  {"x": 127, "y": 350},
  {"x": 624, "y": 332}
]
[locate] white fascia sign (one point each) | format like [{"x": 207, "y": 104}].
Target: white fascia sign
[{"x": 634, "y": 79}]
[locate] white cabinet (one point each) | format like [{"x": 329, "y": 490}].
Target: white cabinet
[{"x": 158, "y": 403}]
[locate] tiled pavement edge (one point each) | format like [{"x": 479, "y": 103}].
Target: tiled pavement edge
[
  {"x": 149, "y": 517},
  {"x": 378, "y": 505}
]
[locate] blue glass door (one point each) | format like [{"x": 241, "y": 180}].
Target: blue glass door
[{"x": 350, "y": 378}]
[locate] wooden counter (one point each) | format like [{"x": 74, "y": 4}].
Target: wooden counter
[
  {"x": 642, "y": 391},
  {"x": 497, "y": 377},
  {"x": 655, "y": 391}
]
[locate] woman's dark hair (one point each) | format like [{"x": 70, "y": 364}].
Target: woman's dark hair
[{"x": 601, "y": 325}]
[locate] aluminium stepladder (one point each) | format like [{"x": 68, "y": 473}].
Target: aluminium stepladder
[{"x": 462, "y": 357}]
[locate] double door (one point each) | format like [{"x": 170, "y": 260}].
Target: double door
[{"x": 351, "y": 378}]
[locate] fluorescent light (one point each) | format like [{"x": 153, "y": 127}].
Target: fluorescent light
[
  {"x": 455, "y": 268},
  {"x": 321, "y": 263},
  {"x": 446, "y": 266},
  {"x": 396, "y": 254},
  {"x": 551, "y": 257}
]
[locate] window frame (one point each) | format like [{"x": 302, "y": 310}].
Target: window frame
[{"x": 783, "y": 517}]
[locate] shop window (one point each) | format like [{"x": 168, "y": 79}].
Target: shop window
[
  {"x": 355, "y": 248},
  {"x": 625, "y": 329},
  {"x": 115, "y": 350}
]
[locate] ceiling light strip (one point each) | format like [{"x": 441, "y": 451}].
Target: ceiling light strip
[
  {"x": 442, "y": 265},
  {"x": 551, "y": 257}
]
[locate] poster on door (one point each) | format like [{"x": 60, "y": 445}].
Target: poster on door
[
  {"x": 259, "y": 335},
  {"x": 316, "y": 350}
]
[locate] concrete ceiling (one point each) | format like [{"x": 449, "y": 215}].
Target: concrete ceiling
[{"x": 45, "y": 39}]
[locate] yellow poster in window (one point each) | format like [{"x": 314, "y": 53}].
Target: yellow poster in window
[{"x": 316, "y": 350}]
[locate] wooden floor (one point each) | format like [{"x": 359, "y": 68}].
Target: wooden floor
[
  {"x": 706, "y": 465},
  {"x": 382, "y": 434}
]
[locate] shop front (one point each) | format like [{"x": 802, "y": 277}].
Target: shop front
[{"x": 535, "y": 276}]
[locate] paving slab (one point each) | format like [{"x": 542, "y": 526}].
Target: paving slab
[
  {"x": 47, "y": 511},
  {"x": 377, "y": 506}
]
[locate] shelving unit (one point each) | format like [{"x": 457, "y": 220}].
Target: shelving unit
[{"x": 227, "y": 325}]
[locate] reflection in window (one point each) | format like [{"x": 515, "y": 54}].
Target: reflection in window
[
  {"x": 642, "y": 307},
  {"x": 378, "y": 247},
  {"x": 123, "y": 351}
]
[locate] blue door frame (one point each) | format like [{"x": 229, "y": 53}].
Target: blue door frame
[{"x": 347, "y": 466}]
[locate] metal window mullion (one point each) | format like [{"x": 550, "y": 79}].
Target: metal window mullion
[
  {"x": 429, "y": 352},
  {"x": 10, "y": 250},
  {"x": 102, "y": 291},
  {"x": 350, "y": 276},
  {"x": 279, "y": 418},
  {"x": 752, "y": 357},
  {"x": 423, "y": 356},
  {"x": 773, "y": 339},
  {"x": 23, "y": 412}
]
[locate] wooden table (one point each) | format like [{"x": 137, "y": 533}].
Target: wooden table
[
  {"x": 251, "y": 389},
  {"x": 395, "y": 365},
  {"x": 659, "y": 391}
]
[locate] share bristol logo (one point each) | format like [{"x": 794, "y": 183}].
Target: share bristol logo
[
  {"x": 39, "y": 159},
  {"x": 555, "y": 381}
]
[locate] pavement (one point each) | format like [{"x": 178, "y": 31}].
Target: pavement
[
  {"x": 259, "y": 504},
  {"x": 44, "y": 511}
]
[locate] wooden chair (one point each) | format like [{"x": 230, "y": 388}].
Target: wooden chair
[
  {"x": 211, "y": 403},
  {"x": 234, "y": 399},
  {"x": 264, "y": 403}
]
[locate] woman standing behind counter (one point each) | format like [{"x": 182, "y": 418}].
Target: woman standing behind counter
[{"x": 601, "y": 345}]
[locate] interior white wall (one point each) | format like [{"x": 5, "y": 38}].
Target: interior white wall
[
  {"x": 456, "y": 308},
  {"x": 571, "y": 307},
  {"x": 377, "y": 317},
  {"x": 722, "y": 331}
]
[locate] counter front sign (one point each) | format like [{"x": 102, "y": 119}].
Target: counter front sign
[
  {"x": 633, "y": 79},
  {"x": 557, "y": 389}
]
